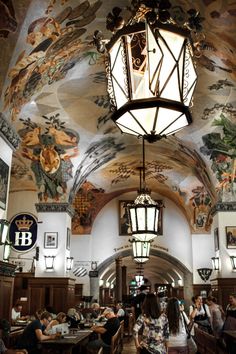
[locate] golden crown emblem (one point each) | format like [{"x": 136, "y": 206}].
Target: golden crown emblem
[{"x": 24, "y": 224}]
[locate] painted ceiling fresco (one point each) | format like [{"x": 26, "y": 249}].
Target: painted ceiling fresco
[{"x": 54, "y": 93}]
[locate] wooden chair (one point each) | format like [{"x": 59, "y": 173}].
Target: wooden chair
[
  {"x": 131, "y": 325},
  {"x": 116, "y": 343},
  {"x": 122, "y": 325}
]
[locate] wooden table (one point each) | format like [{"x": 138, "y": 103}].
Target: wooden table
[
  {"x": 14, "y": 334},
  {"x": 230, "y": 334},
  {"x": 65, "y": 344}
]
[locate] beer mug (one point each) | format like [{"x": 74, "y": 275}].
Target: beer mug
[{"x": 58, "y": 333}]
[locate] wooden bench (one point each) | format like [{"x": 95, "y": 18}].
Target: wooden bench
[{"x": 207, "y": 343}]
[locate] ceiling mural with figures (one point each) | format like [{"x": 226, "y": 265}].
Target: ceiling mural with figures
[{"x": 53, "y": 91}]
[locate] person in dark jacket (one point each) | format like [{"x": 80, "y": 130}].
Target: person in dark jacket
[
  {"x": 107, "y": 332},
  {"x": 33, "y": 334}
]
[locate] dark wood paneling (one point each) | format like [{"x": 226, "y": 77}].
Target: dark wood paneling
[
  {"x": 6, "y": 289},
  {"x": 222, "y": 288},
  {"x": 21, "y": 289},
  {"x": 56, "y": 292},
  {"x": 198, "y": 288}
]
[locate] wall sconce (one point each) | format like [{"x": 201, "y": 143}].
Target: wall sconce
[
  {"x": 69, "y": 263},
  {"x": 180, "y": 282},
  {"x": 4, "y": 226},
  {"x": 94, "y": 265},
  {"x": 233, "y": 262},
  {"x": 215, "y": 263},
  {"x": 204, "y": 273},
  {"x": 49, "y": 263},
  {"x": 6, "y": 252}
]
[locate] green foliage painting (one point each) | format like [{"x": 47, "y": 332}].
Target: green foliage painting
[{"x": 221, "y": 148}]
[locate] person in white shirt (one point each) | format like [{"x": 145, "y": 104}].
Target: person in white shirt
[
  {"x": 200, "y": 314},
  {"x": 16, "y": 312},
  {"x": 120, "y": 311},
  {"x": 178, "y": 320}
]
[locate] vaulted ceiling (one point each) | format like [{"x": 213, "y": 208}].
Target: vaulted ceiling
[{"x": 53, "y": 85}]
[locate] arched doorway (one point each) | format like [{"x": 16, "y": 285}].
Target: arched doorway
[{"x": 162, "y": 268}]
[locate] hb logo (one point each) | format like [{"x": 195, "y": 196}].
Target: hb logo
[{"x": 23, "y": 232}]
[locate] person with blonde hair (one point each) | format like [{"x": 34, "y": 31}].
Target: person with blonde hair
[
  {"x": 95, "y": 310},
  {"x": 60, "y": 318},
  {"x": 106, "y": 332},
  {"x": 73, "y": 317}
]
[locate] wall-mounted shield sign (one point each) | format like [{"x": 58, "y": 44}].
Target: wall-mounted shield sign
[{"x": 23, "y": 232}]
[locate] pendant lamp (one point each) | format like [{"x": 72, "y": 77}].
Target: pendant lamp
[
  {"x": 144, "y": 212},
  {"x": 141, "y": 250},
  {"x": 150, "y": 69}
]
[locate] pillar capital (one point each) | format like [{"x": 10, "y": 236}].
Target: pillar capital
[{"x": 119, "y": 261}]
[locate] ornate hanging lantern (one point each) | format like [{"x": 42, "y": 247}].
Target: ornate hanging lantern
[
  {"x": 150, "y": 68},
  {"x": 144, "y": 212},
  {"x": 141, "y": 250}
]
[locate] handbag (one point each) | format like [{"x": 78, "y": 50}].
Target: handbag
[{"x": 192, "y": 346}]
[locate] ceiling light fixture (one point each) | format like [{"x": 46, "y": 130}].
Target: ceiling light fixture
[
  {"x": 150, "y": 68},
  {"x": 144, "y": 212},
  {"x": 141, "y": 250},
  {"x": 139, "y": 277}
]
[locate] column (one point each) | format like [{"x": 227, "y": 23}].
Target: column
[
  {"x": 54, "y": 230},
  {"x": 188, "y": 289},
  {"x": 94, "y": 288},
  {"x": 124, "y": 281},
  {"x": 9, "y": 142},
  {"x": 118, "y": 293}
]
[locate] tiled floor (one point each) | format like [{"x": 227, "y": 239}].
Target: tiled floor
[{"x": 129, "y": 346}]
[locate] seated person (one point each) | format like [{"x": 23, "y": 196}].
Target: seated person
[
  {"x": 107, "y": 331},
  {"x": 120, "y": 311},
  {"x": 73, "y": 318},
  {"x": 38, "y": 313},
  {"x": 95, "y": 310},
  {"x": 33, "y": 334},
  {"x": 60, "y": 318},
  {"x": 4, "y": 350},
  {"x": 51, "y": 310},
  {"x": 16, "y": 313}
]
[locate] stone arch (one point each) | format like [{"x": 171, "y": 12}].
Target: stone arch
[{"x": 188, "y": 275}]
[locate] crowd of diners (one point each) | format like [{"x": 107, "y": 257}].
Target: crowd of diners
[{"x": 159, "y": 327}]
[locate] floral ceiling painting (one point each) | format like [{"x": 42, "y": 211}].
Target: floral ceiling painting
[{"x": 54, "y": 92}]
